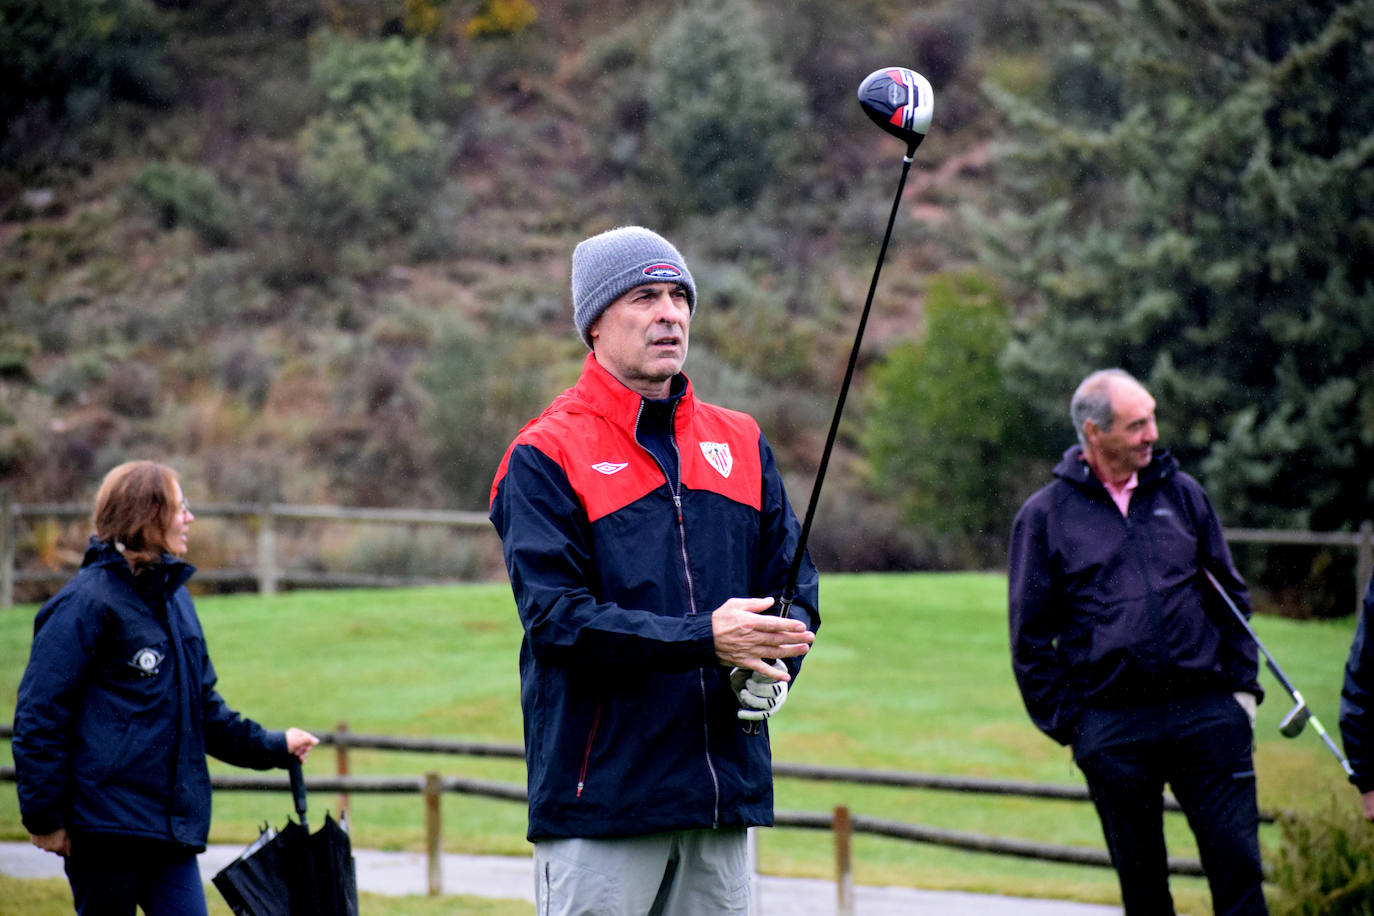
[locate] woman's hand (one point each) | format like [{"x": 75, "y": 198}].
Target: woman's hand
[{"x": 299, "y": 742}]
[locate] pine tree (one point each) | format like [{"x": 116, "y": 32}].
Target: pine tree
[{"x": 1194, "y": 201}]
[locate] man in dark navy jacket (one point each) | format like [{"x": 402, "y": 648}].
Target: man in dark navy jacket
[
  {"x": 1357, "y": 707},
  {"x": 648, "y": 539},
  {"x": 1122, "y": 652}
]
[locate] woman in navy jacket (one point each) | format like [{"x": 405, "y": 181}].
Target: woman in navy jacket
[{"x": 118, "y": 708}]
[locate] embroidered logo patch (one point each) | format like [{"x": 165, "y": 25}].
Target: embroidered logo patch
[
  {"x": 719, "y": 457},
  {"x": 146, "y": 661},
  {"x": 609, "y": 467},
  {"x": 663, "y": 272}
]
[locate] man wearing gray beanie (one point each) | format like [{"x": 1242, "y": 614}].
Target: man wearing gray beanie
[
  {"x": 606, "y": 266},
  {"x": 633, "y": 517}
]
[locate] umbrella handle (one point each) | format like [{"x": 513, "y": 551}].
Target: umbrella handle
[{"x": 298, "y": 789}]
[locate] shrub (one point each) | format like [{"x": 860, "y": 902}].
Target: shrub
[
  {"x": 393, "y": 73},
  {"x": 17, "y": 351},
  {"x": 190, "y": 195},
  {"x": 437, "y": 553},
  {"x": 481, "y": 392},
  {"x": 366, "y": 172},
  {"x": 18, "y": 445},
  {"x": 725, "y": 113},
  {"x": 1325, "y": 863},
  {"x": 373, "y": 160},
  {"x": 942, "y": 428},
  {"x": 130, "y": 390}
]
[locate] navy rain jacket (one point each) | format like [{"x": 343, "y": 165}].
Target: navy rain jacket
[
  {"x": 1357, "y": 700},
  {"x": 1109, "y": 610},
  {"x": 630, "y": 723},
  {"x": 118, "y": 708}
]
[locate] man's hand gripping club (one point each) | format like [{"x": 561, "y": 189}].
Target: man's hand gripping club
[{"x": 751, "y": 642}]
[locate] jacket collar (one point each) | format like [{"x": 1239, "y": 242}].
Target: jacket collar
[
  {"x": 607, "y": 395},
  {"x": 103, "y": 554},
  {"x": 1074, "y": 469}
]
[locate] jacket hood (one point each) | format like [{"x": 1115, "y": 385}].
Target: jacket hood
[{"x": 176, "y": 572}]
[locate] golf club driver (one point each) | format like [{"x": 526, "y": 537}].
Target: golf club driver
[
  {"x": 901, "y": 102},
  {"x": 1300, "y": 715}
]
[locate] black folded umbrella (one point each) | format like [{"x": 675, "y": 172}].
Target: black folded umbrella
[{"x": 289, "y": 872}]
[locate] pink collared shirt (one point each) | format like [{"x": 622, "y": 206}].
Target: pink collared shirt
[{"x": 1122, "y": 495}]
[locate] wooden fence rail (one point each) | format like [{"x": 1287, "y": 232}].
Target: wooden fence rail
[
  {"x": 266, "y": 571},
  {"x": 269, "y": 575},
  {"x": 840, "y": 822}
]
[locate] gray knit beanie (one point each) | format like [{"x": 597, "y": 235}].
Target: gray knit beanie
[{"x": 606, "y": 266}]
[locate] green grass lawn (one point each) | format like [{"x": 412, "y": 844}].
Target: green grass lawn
[{"x": 442, "y": 662}]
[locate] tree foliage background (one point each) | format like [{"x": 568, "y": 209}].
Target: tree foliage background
[
  {"x": 1193, "y": 200},
  {"x": 316, "y": 250}
]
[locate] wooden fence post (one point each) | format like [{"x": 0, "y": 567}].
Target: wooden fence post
[
  {"x": 844, "y": 869},
  {"x": 267, "y": 552},
  {"x": 6, "y": 551},
  {"x": 341, "y": 765},
  {"x": 434, "y": 846},
  {"x": 1364, "y": 563}
]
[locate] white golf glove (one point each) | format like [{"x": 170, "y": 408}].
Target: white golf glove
[{"x": 759, "y": 695}]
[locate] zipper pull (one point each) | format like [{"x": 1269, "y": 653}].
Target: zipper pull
[
  {"x": 677, "y": 502},
  {"x": 580, "y": 784}
]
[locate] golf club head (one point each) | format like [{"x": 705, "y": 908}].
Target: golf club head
[
  {"x": 1293, "y": 723},
  {"x": 900, "y": 101}
]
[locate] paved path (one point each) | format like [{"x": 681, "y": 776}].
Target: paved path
[{"x": 400, "y": 873}]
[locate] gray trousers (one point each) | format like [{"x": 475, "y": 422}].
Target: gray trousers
[{"x": 683, "y": 873}]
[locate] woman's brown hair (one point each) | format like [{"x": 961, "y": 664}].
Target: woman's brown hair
[{"x": 134, "y": 510}]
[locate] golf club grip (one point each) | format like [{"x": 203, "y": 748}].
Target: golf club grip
[
  {"x": 782, "y": 608},
  {"x": 297, "y": 786},
  {"x": 1331, "y": 745}
]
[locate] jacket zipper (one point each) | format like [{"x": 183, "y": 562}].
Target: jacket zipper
[
  {"x": 587, "y": 753},
  {"x": 675, "y": 486},
  {"x": 1152, "y": 602}
]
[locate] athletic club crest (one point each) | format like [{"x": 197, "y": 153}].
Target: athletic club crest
[
  {"x": 663, "y": 272},
  {"x": 719, "y": 457},
  {"x": 146, "y": 661}
]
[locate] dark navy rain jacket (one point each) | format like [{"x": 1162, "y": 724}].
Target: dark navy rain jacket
[
  {"x": 1109, "y": 610},
  {"x": 1357, "y": 700},
  {"x": 118, "y": 708}
]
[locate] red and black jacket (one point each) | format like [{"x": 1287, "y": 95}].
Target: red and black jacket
[{"x": 630, "y": 726}]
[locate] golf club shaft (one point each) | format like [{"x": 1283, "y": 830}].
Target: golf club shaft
[
  {"x": 1268, "y": 659},
  {"x": 794, "y": 571},
  {"x": 789, "y": 589},
  {"x": 1278, "y": 673},
  {"x": 1345, "y": 764}
]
